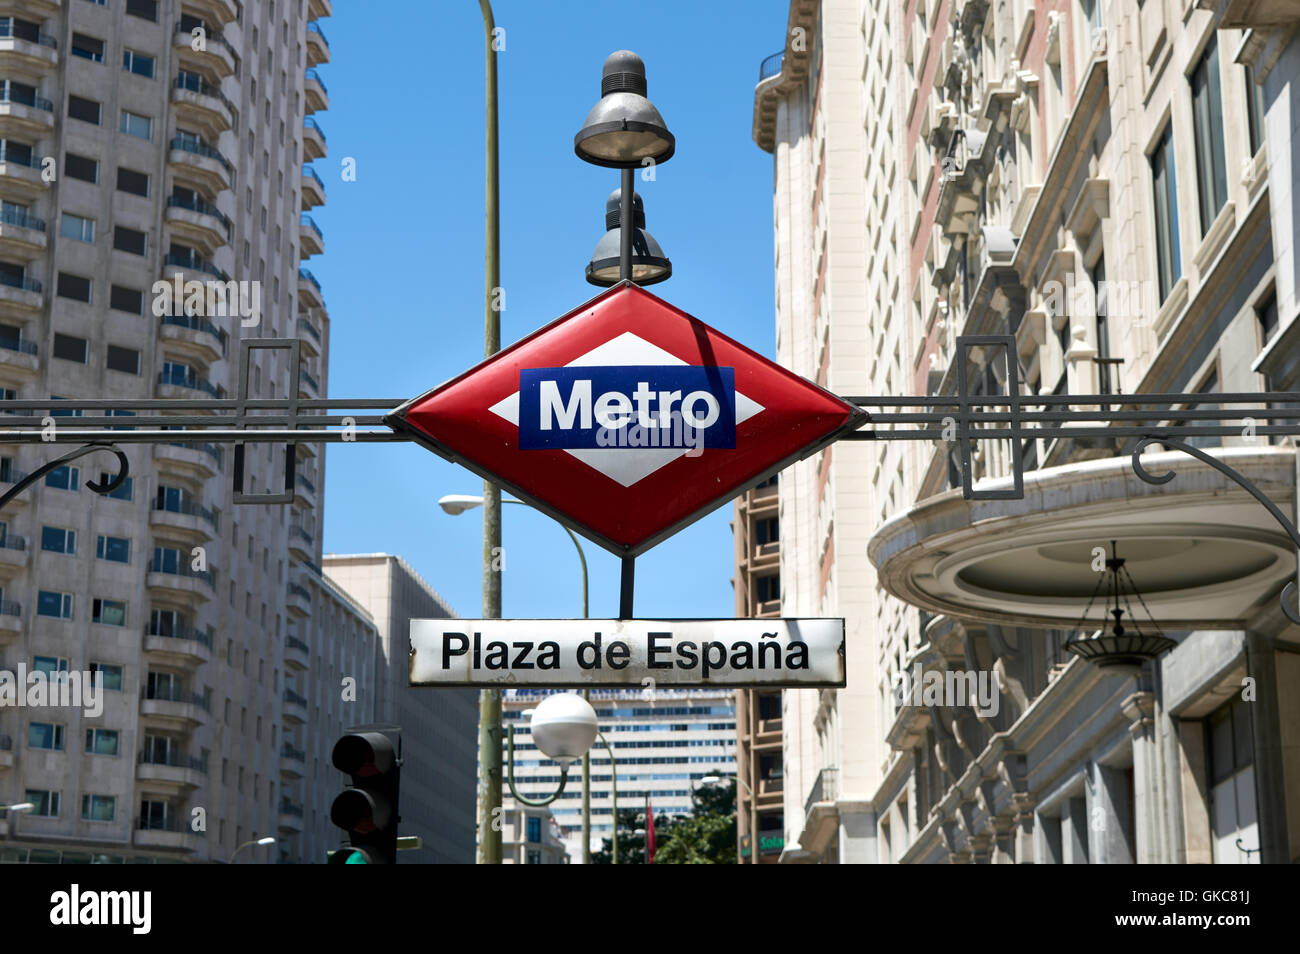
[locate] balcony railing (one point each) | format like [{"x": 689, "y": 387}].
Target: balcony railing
[
  {"x": 10, "y": 608},
  {"x": 212, "y": 450},
  {"x": 17, "y": 156},
  {"x": 19, "y": 281},
  {"x": 6, "y": 743},
  {"x": 179, "y": 631},
  {"x": 175, "y": 695},
  {"x": 287, "y": 751},
  {"x": 175, "y": 760},
  {"x": 13, "y": 541},
  {"x": 195, "y": 323},
  {"x": 290, "y": 808},
  {"x": 307, "y": 222},
  {"x": 31, "y": 36},
  {"x": 203, "y": 208},
  {"x": 312, "y": 124},
  {"x": 183, "y": 569},
  {"x": 306, "y": 325},
  {"x": 294, "y": 643},
  {"x": 187, "y": 507},
  {"x": 159, "y": 824},
  {"x": 10, "y": 95},
  {"x": 825, "y": 789},
  {"x": 195, "y": 264},
  {"x": 196, "y": 84},
  {"x": 312, "y": 74},
  {"x": 187, "y": 144},
  {"x": 292, "y": 697},
  {"x": 303, "y": 481},
  {"x": 214, "y": 38},
  {"x": 310, "y": 173},
  {"x": 299, "y": 590},
  {"x": 192, "y": 381},
  {"x": 314, "y": 27},
  {"x": 770, "y": 66},
  {"x": 22, "y": 219},
  {"x": 17, "y": 344},
  {"x": 305, "y": 274},
  {"x": 305, "y": 375}
]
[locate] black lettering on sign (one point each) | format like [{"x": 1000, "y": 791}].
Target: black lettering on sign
[
  {"x": 686, "y": 655},
  {"x": 548, "y": 655},
  {"x": 521, "y": 656},
  {"x": 656, "y": 650},
  {"x": 498, "y": 655},
  {"x": 589, "y": 653},
  {"x": 618, "y": 654},
  {"x": 448, "y": 650},
  {"x": 762, "y": 652}
]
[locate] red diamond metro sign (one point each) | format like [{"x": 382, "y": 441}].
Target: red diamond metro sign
[{"x": 626, "y": 419}]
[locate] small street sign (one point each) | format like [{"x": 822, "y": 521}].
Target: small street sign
[
  {"x": 666, "y": 653},
  {"x": 626, "y": 419}
]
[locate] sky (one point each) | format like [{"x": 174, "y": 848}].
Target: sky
[{"x": 403, "y": 268}]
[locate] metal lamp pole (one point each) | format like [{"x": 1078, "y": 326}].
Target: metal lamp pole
[{"x": 489, "y": 718}]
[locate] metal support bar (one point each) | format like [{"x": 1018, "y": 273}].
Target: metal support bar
[
  {"x": 626, "y": 587},
  {"x": 625, "y": 227}
]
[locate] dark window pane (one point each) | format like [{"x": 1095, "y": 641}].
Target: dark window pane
[
  {"x": 128, "y": 240},
  {"x": 126, "y": 360},
  {"x": 87, "y": 110},
  {"x": 81, "y": 167},
  {"x": 126, "y": 299},
  {"x": 74, "y": 286},
  {"x": 145, "y": 9},
  {"x": 128, "y": 180},
  {"x": 70, "y": 348},
  {"x": 1207, "y": 116},
  {"x": 87, "y": 47}
]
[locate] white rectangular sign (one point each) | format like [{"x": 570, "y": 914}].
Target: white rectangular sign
[{"x": 581, "y": 653}]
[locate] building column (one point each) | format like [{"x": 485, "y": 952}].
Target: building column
[
  {"x": 1147, "y": 838},
  {"x": 1108, "y": 813},
  {"x": 1266, "y": 734},
  {"x": 857, "y": 833}
]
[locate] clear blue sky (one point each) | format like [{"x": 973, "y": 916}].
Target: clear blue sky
[{"x": 403, "y": 266}]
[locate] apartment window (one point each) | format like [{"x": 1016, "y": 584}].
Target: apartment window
[
  {"x": 63, "y": 478},
  {"x": 46, "y": 802},
  {"x": 767, "y": 530},
  {"x": 123, "y": 492},
  {"x": 126, "y": 299},
  {"x": 98, "y": 808},
  {"x": 50, "y": 665},
  {"x": 128, "y": 180},
  {"x": 45, "y": 735},
  {"x": 133, "y": 124},
  {"x": 125, "y": 360},
  {"x": 59, "y": 540},
  {"x": 76, "y": 227},
  {"x": 87, "y": 47},
  {"x": 129, "y": 240},
  {"x": 109, "y": 676},
  {"x": 534, "y": 828},
  {"x": 70, "y": 348},
  {"x": 1254, "y": 111},
  {"x": 1266, "y": 315},
  {"x": 81, "y": 167},
  {"x": 1207, "y": 124},
  {"x": 113, "y": 549},
  {"x": 75, "y": 287},
  {"x": 144, "y": 9},
  {"x": 1168, "y": 257},
  {"x": 54, "y": 604},
  {"x": 137, "y": 63},
  {"x": 109, "y": 612},
  {"x": 1104, "y": 376},
  {"x": 768, "y": 588},
  {"x": 87, "y": 110},
  {"x": 101, "y": 741}
]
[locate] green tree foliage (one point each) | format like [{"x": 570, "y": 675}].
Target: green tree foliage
[{"x": 707, "y": 836}]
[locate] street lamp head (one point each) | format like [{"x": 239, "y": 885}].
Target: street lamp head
[
  {"x": 21, "y": 807},
  {"x": 266, "y": 841},
  {"x": 649, "y": 264},
  {"x": 623, "y": 129},
  {"x": 455, "y": 504},
  {"x": 564, "y": 726}
]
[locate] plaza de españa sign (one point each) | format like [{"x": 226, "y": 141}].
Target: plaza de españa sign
[{"x": 626, "y": 419}]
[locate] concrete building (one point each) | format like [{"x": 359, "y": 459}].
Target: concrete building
[
  {"x": 664, "y": 743},
  {"x": 756, "y": 529},
  {"x": 1111, "y": 184},
  {"x": 144, "y": 141},
  {"x": 439, "y": 726},
  {"x": 530, "y": 836}
]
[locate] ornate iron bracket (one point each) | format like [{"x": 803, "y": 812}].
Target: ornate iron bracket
[
  {"x": 123, "y": 471},
  {"x": 1288, "y": 596}
]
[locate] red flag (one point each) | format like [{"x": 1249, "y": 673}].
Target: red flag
[{"x": 649, "y": 833}]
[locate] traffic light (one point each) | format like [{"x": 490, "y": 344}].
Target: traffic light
[{"x": 367, "y": 810}]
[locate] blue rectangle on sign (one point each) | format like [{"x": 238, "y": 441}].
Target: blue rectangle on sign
[{"x": 630, "y": 406}]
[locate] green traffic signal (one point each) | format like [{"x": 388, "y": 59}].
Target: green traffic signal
[{"x": 347, "y": 856}]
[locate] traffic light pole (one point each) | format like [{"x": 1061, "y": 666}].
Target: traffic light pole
[{"x": 489, "y": 719}]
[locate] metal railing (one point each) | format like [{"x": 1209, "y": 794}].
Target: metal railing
[
  {"x": 305, "y": 325},
  {"x": 303, "y": 481},
  {"x": 199, "y": 148},
  {"x": 212, "y": 38},
  {"x": 10, "y": 95},
  {"x": 18, "y": 281},
  {"x": 12, "y": 155},
  {"x": 187, "y": 507},
  {"x": 198, "y": 205},
  {"x": 174, "y": 761},
  {"x": 305, "y": 375},
  {"x": 17, "y": 344},
  {"x": 6, "y": 743},
  {"x": 212, "y": 450},
  {"x": 192, "y": 381},
  {"x": 290, "y": 808},
  {"x": 183, "y": 569},
  {"x": 310, "y": 123},
  {"x": 293, "y": 698},
  {"x": 771, "y": 65},
  {"x": 196, "y": 84},
  {"x": 13, "y": 541},
  {"x": 306, "y": 221},
  {"x": 180, "y": 631},
  {"x": 10, "y": 608},
  {"x": 195, "y": 323},
  {"x": 159, "y": 824},
  {"x": 183, "y": 696},
  {"x": 287, "y": 751},
  {"x": 195, "y": 264},
  {"x": 298, "y": 589},
  {"x": 31, "y": 36},
  {"x": 22, "y": 219},
  {"x": 304, "y": 273},
  {"x": 310, "y": 173},
  {"x": 314, "y": 27},
  {"x": 825, "y": 789},
  {"x": 293, "y": 642},
  {"x": 301, "y": 532},
  {"x": 313, "y": 75}
]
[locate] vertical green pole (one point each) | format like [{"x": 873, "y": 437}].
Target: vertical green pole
[
  {"x": 489, "y": 739},
  {"x": 613, "y": 791}
]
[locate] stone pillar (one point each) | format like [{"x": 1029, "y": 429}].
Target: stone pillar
[
  {"x": 857, "y": 833},
  {"x": 1146, "y": 839},
  {"x": 1266, "y": 732},
  {"x": 1109, "y": 839}
]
